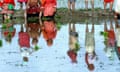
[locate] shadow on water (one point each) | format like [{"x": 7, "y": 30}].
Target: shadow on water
[{"x": 56, "y": 46}]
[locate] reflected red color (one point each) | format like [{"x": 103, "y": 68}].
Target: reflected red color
[
  {"x": 24, "y": 39},
  {"x": 72, "y": 55}
]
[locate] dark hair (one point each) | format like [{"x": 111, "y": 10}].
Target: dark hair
[
  {"x": 49, "y": 42},
  {"x": 25, "y": 59},
  {"x": 91, "y": 67}
]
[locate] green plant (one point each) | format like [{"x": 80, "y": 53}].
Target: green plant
[
  {"x": 36, "y": 48},
  {"x": 0, "y": 43}
]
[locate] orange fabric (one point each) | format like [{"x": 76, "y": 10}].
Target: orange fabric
[
  {"x": 49, "y": 31},
  {"x": 42, "y": 1},
  {"x": 111, "y": 34}
]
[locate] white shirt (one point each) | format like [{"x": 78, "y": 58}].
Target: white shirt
[{"x": 25, "y": 52}]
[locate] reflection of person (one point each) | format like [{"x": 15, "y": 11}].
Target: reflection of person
[
  {"x": 8, "y": 31},
  {"x": 49, "y": 31},
  {"x": 117, "y": 37},
  {"x": 7, "y": 7},
  {"x": 110, "y": 40},
  {"x": 49, "y": 7},
  {"x": 105, "y": 4},
  {"x": 32, "y": 7},
  {"x": 90, "y": 55},
  {"x": 86, "y": 4},
  {"x": 117, "y": 9},
  {"x": 24, "y": 42},
  {"x": 73, "y": 43},
  {"x": 71, "y": 3},
  {"x": 34, "y": 31}
]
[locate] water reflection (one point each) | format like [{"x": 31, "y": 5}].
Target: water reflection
[
  {"x": 109, "y": 36},
  {"x": 49, "y": 31},
  {"x": 90, "y": 55},
  {"x": 73, "y": 42},
  {"x": 66, "y": 44},
  {"x": 117, "y": 26},
  {"x": 8, "y": 29},
  {"x": 34, "y": 31}
]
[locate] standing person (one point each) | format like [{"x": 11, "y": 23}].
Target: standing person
[
  {"x": 33, "y": 8},
  {"x": 92, "y": 4},
  {"x": 21, "y": 3},
  {"x": 110, "y": 41},
  {"x": 73, "y": 43},
  {"x": 71, "y": 5},
  {"x": 7, "y": 8},
  {"x": 49, "y": 7},
  {"x": 117, "y": 9},
  {"x": 105, "y": 4},
  {"x": 90, "y": 55}
]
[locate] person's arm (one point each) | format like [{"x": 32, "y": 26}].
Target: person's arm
[
  {"x": 27, "y": 5},
  {"x": 86, "y": 58}
]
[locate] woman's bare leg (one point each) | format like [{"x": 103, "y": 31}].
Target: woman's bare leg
[
  {"x": 73, "y": 6},
  {"x": 105, "y": 4},
  {"x": 105, "y": 26},
  {"x": 92, "y": 4},
  {"x": 111, "y": 6},
  {"x": 69, "y": 6},
  {"x": 86, "y": 4}
]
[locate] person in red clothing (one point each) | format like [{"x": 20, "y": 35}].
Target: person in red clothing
[
  {"x": 49, "y": 31},
  {"x": 105, "y": 4},
  {"x": 49, "y": 7},
  {"x": 33, "y": 8},
  {"x": 7, "y": 7},
  {"x": 110, "y": 41}
]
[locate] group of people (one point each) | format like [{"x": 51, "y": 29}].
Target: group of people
[
  {"x": 71, "y": 6},
  {"x": 42, "y": 7}
]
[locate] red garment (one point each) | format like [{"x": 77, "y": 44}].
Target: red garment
[
  {"x": 33, "y": 9},
  {"x": 72, "y": 55},
  {"x": 6, "y": 33},
  {"x": 9, "y": 2},
  {"x": 50, "y": 30},
  {"x": 47, "y": 2},
  {"x": 49, "y": 7},
  {"x": 24, "y": 39},
  {"x": 1, "y": 4},
  {"x": 108, "y": 1},
  {"x": 111, "y": 37}
]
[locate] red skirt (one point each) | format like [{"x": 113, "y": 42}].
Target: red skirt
[
  {"x": 108, "y": 1},
  {"x": 33, "y": 10},
  {"x": 24, "y": 39}
]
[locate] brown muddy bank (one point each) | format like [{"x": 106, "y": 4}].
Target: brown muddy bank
[{"x": 78, "y": 16}]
